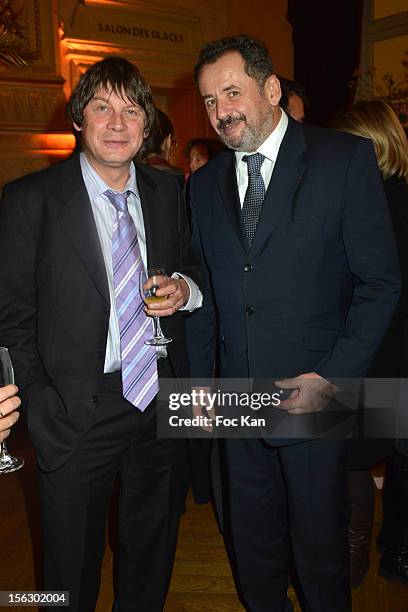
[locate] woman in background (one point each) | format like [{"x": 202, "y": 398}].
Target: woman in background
[
  {"x": 376, "y": 120},
  {"x": 158, "y": 147},
  {"x": 200, "y": 150}
]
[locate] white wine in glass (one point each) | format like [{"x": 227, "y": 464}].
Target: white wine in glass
[
  {"x": 149, "y": 296},
  {"x": 8, "y": 463}
]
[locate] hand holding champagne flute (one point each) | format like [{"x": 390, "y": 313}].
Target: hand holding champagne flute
[
  {"x": 9, "y": 415},
  {"x": 149, "y": 284},
  {"x": 8, "y": 463}
]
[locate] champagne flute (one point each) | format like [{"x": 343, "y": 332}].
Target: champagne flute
[
  {"x": 8, "y": 463},
  {"x": 149, "y": 296}
]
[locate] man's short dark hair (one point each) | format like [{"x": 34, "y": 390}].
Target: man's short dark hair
[
  {"x": 258, "y": 64},
  {"x": 118, "y": 75}
]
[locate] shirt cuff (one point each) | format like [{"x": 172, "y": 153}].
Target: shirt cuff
[{"x": 195, "y": 299}]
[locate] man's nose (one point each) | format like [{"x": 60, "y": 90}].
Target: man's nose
[
  {"x": 223, "y": 109},
  {"x": 116, "y": 121}
]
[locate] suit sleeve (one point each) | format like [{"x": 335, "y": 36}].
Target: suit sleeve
[
  {"x": 19, "y": 239},
  {"x": 188, "y": 261},
  {"x": 370, "y": 249},
  {"x": 201, "y": 325}
]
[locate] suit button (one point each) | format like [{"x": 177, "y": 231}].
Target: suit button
[
  {"x": 94, "y": 399},
  {"x": 101, "y": 354},
  {"x": 247, "y": 268},
  {"x": 249, "y": 311}
]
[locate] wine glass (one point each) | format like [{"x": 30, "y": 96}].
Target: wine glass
[
  {"x": 149, "y": 296},
  {"x": 8, "y": 463}
]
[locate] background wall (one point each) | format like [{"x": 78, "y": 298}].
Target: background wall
[
  {"x": 327, "y": 40},
  {"x": 384, "y": 58},
  {"x": 45, "y": 45},
  {"x": 338, "y": 45}
]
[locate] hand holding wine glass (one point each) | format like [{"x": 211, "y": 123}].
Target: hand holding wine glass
[
  {"x": 177, "y": 292},
  {"x": 8, "y": 463},
  {"x": 9, "y": 415},
  {"x": 150, "y": 282}
]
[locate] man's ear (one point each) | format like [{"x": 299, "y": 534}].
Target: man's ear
[
  {"x": 77, "y": 127},
  {"x": 272, "y": 90}
]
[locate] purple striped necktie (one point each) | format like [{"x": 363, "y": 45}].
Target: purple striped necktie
[{"x": 139, "y": 367}]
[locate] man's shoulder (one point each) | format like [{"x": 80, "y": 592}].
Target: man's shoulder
[
  {"x": 316, "y": 136},
  {"x": 223, "y": 160},
  {"x": 155, "y": 175},
  {"x": 39, "y": 178}
]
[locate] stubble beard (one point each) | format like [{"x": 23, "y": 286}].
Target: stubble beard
[{"x": 252, "y": 136}]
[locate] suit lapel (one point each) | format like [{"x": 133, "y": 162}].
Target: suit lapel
[
  {"x": 154, "y": 218},
  {"x": 77, "y": 219},
  {"x": 228, "y": 190},
  {"x": 288, "y": 172}
]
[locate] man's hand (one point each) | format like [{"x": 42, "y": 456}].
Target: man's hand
[
  {"x": 175, "y": 290},
  {"x": 311, "y": 393},
  {"x": 8, "y": 409}
]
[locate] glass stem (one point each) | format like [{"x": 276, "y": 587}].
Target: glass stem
[
  {"x": 157, "y": 328},
  {"x": 3, "y": 451}
]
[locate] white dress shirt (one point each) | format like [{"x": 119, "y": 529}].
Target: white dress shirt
[
  {"x": 269, "y": 149},
  {"x": 105, "y": 215}
]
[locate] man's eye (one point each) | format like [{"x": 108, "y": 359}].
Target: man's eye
[
  {"x": 209, "y": 103},
  {"x": 102, "y": 108},
  {"x": 232, "y": 94}
]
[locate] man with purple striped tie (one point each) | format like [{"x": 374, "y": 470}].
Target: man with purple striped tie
[{"x": 73, "y": 240}]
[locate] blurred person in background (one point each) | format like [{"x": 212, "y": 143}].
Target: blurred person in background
[
  {"x": 158, "y": 147},
  {"x": 294, "y": 99},
  {"x": 376, "y": 120},
  {"x": 200, "y": 150}
]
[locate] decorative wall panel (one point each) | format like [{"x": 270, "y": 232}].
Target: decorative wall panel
[{"x": 45, "y": 45}]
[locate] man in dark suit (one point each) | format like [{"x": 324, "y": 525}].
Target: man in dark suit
[
  {"x": 292, "y": 228},
  {"x": 73, "y": 240}
]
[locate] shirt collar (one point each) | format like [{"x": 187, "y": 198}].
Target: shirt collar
[
  {"x": 270, "y": 147},
  {"x": 99, "y": 185}
]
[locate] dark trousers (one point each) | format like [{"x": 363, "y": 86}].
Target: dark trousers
[
  {"x": 76, "y": 499},
  {"x": 283, "y": 499}
]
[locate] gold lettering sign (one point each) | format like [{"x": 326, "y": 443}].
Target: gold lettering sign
[
  {"x": 140, "y": 32},
  {"x": 131, "y": 29}
]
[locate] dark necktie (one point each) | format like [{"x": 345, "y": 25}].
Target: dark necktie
[
  {"x": 254, "y": 195},
  {"x": 139, "y": 367}
]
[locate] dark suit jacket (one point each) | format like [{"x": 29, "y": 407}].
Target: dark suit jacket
[
  {"x": 54, "y": 304},
  {"x": 317, "y": 289},
  {"x": 391, "y": 359}
]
